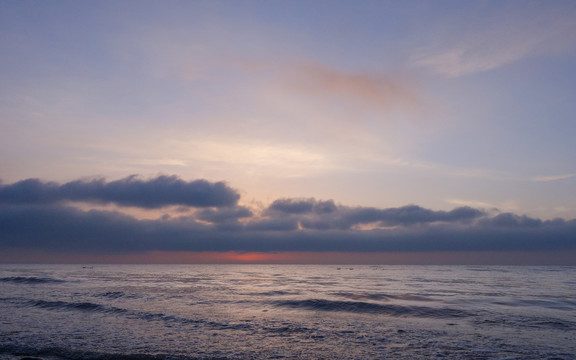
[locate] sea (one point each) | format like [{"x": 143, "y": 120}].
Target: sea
[{"x": 56, "y": 312}]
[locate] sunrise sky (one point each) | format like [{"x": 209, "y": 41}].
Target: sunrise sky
[{"x": 288, "y": 131}]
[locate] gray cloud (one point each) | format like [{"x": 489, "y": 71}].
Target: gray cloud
[
  {"x": 301, "y": 206},
  {"x": 284, "y": 224},
  {"x": 64, "y": 229},
  {"x": 131, "y": 191},
  {"x": 509, "y": 220},
  {"x": 324, "y": 215},
  {"x": 34, "y": 219},
  {"x": 342, "y": 217},
  {"x": 223, "y": 215}
]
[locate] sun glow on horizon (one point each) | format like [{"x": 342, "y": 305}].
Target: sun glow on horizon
[{"x": 298, "y": 258}]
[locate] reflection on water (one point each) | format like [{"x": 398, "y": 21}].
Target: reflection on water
[{"x": 286, "y": 311}]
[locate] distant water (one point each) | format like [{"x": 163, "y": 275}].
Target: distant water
[{"x": 287, "y": 312}]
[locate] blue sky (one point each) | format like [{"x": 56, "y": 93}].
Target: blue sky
[{"x": 377, "y": 104}]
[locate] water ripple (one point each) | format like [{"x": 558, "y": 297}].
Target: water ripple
[
  {"x": 371, "y": 308},
  {"x": 29, "y": 280}
]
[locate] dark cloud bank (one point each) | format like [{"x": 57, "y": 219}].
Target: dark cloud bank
[
  {"x": 131, "y": 191},
  {"x": 41, "y": 216}
]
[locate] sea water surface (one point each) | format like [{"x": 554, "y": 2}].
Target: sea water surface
[{"x": 287, "y": 312}]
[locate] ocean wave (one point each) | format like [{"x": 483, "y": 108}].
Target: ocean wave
[
  {"x": 363, "y": 296},
  {"x": 529, "y": 322},
  {"x": 24, "y": 352},
  {"x": 111, "y": 295},
  {"x": 103, "y": 309},
  {"x": 272, "y": 293},
  {"x": 557, "y": 304},
  {"x": 133, "y": 314},
  {"x": 30, "y": 280},
  {"x": 382, "y": 297},
  {"x": 553, "y": 324},
  {"x": 78, "y": 306},
  {"x": 371, "y": 308},
  {"x": 117, "y": 295},
  {"x": 288, "y": 329}
]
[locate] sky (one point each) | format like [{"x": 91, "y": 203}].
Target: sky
[{"x": 419, "y": 132}]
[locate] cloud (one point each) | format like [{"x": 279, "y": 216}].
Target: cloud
[
  {"x": 378, "y": 92},
  {"x": 227, "y": 216},
  {"x": 66, "y": 229},
  {"x": 325, "y": 215},
  {"x": 284, "y": 224},
  {"x": 301, "y": 206},
  {"x": 34, "y": 216},
  {"x": 255, "y": 156},
  {"x": 509, "y": 220},
  {"x": 553, "y": 177},
  {"x": 506, "y": 206},
  {"x": 472, "y": 203},
  {"x": 468, "y": 59},
  {"x": 511, "y": 35},
  {"x": 131, "y": 191},
  {"x": 410, "y": 215}
]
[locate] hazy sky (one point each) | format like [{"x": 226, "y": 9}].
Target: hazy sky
[{"x": 287, "y": 127}]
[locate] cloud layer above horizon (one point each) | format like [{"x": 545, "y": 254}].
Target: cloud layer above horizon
[
  {"x": 37, "y": 215},
  {"x": 335, "y": 125}
]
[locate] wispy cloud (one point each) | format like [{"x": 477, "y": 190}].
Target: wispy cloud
[
  {"x": 160, "y": 162},
  {"x": 255, "y": 156},
  {"x": 382, "y": 93},
  {"x": 501, "y": 206},
  {"x": 474, "y": 203},
  {"x": 511, "y": 35},
  {"x": 552, "y": 177}
]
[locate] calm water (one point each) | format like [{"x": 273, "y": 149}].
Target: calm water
[{"x": 287, "y": 312}]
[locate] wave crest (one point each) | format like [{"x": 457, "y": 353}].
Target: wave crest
[
  {"x": 30, "y": 280},
  {"x": 371, "y": 308}
]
